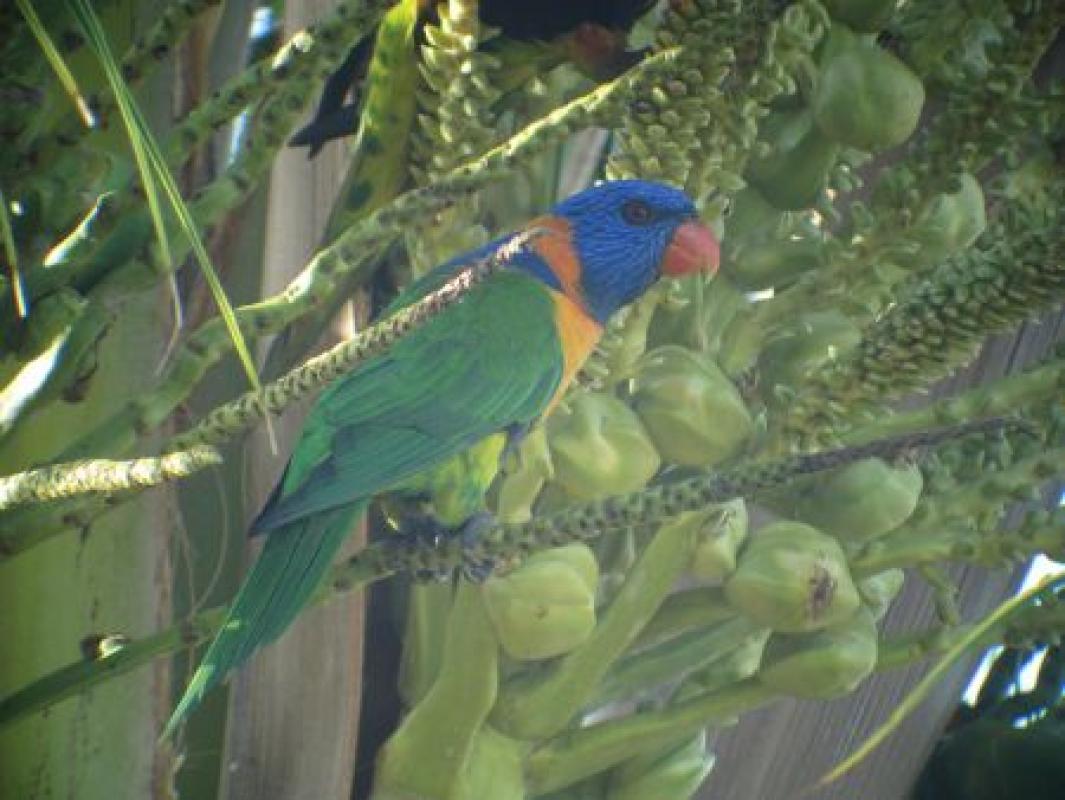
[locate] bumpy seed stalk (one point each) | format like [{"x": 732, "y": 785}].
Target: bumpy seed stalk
[
  {"x": 144, "y": 55},
  {"x": 378, "y": 170},
  {"x": 299, "y": 56},
  {"x": 18, "y": 533},
  {"x": 659, "y": 135},
  {"x": 460, "y": 78},
  {"x": 456, "y": 120},
  {"x": 126, "y": 258},
  {"x": 313, "y": 285},
  {"x": 986, "y": 118},
  {"x": 990, "y": 491},
  {"x": 235, "y": 417},
  {"x": 380, "y": 560},
  {"x": 935, "y": 328},
  {"x": 1005, "y": 396},
  {"x": 101, "y": 476},
  {"x": 169, "y": 30}
]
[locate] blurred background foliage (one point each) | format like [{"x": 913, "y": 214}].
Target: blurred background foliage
[{"x": 887, "y": 179}]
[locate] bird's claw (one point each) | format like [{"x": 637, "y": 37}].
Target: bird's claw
[{"x": 425, "y": 535}]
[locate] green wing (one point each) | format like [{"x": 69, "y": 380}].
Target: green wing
[
  {"x": 488, "y": 362},
  {"x": 491, "y": 361}
]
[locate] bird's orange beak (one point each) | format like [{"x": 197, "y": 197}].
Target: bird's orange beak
[{"x": 693, "y": 249}]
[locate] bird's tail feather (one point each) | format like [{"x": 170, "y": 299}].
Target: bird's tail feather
[{"x": 281, "y": 581}]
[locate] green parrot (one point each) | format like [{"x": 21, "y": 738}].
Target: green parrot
[{"x": 427, "y": 421}]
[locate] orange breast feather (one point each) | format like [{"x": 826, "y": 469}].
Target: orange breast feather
[
  {"x": 578, "y": 331},
  {"x": 578, "y": 334}
]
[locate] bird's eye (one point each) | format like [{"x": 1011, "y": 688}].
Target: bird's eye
[{"x": 637, "y": 212}]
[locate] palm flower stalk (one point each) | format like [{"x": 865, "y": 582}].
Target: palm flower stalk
[{"x": 683, "y": 540}]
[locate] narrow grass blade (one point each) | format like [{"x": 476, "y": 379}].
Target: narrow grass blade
[
  {"x": 921, "y": 691},
  {"x": 59, "y": 66},
  {"x": 22, "y": 306},
  {"x": 155, "y": 175}
]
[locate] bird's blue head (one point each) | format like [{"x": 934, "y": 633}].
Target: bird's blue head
[{"x": 611, "y": 242}]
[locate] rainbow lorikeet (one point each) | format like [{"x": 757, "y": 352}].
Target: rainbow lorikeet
[{"x": 429, "y": 419}]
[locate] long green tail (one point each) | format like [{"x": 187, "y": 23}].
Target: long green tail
[{"x": 289, "y": 569}]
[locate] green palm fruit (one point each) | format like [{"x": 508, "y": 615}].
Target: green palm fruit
[
  {"x": 864, "y": 16},
  {"x": 949, "y": 223},
  {"x": 807, "y": 344},
  {"x": 764, "y": 265},
  {"x": 494, "y": 768},
  {"x": 868, "y": 99},
  {"x": 694, "y": 414},
  {"x": 880, "y": 590},
  {"x": 822, "y": 664},
  {"x": 675, "y": 774},
  {"x": 792, "y": 176},
  {"x": 722, "y": 530},
  {"x": 792, "y": 578},
  {"x": 861, "y": 501},
  {"x": 546, "y": 606},
  {"x": 599, "y": 447},
  {"x": 525, "y": 477}
]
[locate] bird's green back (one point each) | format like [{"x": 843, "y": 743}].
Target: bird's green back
[{"x": 490, "y": 361}]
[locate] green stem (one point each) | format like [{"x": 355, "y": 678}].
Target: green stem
[
  {"x": 427, "y": 756},
  {"x": 683, "y": 612},
  {"x": 908, "y": 648},
  {"x": 540, "y": 707},
  {"x": 907, "y": 547},
  {"x": 675, "y": 659},
  {"x": 172, "y": 26},
  {"x": 584, "y": 522},
  {"x": 1004, "y": 396},
  {"x": 578, "y": 754},
  {"x": 429, "y": 606},
  {"x": 83, "y": 675}
]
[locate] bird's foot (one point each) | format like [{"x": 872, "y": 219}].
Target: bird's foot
[
  {"x": 476, "y": 567},
  {"x": 423, "y": 532},
  {"x": 516, "y": 434}
]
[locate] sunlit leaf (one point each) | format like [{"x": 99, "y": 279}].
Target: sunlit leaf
[
  {"x": 22, "y": 306},
  {"x": 949, "y": 659},
  {"x": 152, "y": 168}
]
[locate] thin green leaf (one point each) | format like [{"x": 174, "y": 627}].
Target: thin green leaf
[
  {"x": 139, "y": 137},
  {"x": 152, "y": 166},
  {"x": 22, "y": 306},
  {"x": 59, "y": 66},
  {"x": 922, "y": 690}
]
